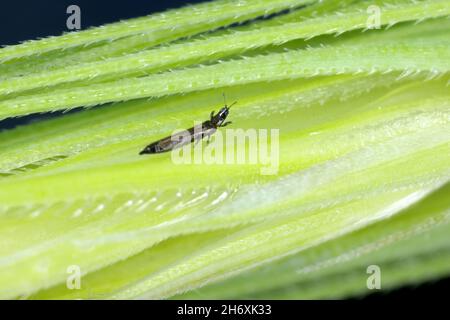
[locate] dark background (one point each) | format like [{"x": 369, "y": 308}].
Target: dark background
[{"x": 25, "y": 20}]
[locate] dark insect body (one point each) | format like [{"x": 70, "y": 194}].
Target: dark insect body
[{"x": 194, "y": 134}]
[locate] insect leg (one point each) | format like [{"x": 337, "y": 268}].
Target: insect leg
[
  {"x": 212, "y": 114},
  {"x": 226, "y": 123}
]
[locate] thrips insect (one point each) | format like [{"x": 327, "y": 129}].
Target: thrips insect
[{"x": 194, "y": 134}]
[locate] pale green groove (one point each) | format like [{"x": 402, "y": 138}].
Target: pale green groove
[
  {"x": 410, "y": 57},
  {"x": 216, "y": 47},
  {"x": 409, "y": 232},
  {"x": 201, "y": 13},
  {"x": 351, "y": 282},
  {"x": 427, "y": 242},
  {"x": 409, "y": 271}
]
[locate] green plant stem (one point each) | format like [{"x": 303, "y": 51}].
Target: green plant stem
[{"x": 218, "y": 47}]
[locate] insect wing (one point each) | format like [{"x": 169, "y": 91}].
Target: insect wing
[{"x": 179, "y": 139}]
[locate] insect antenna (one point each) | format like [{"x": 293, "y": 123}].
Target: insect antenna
[
  {"x": 225, "y": 101},
  {"x": 232, "y": 104}
]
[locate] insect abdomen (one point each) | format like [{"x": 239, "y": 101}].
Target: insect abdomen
[{"x": 152, "y": 148}]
